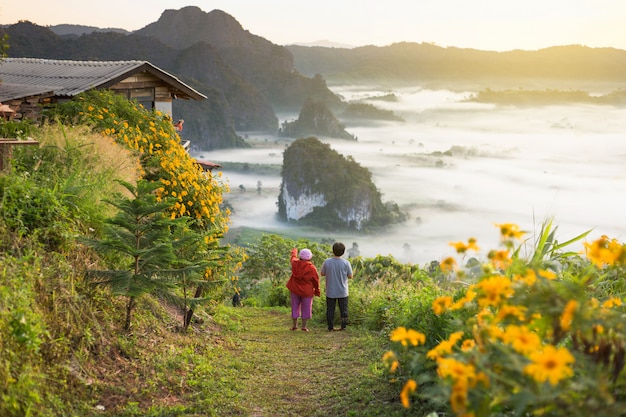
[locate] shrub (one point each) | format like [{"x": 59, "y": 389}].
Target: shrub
[
  {"x": 528, "y": 336},
  {"x": 22, "y": 332},
  {"x": 16, "y": 128},
  {"x": 54, "y": 191},
  {"x": 151, "y": 136},
  {"x": 31, "y": 209}
]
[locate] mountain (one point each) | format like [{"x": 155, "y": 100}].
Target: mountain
[
  {"x": 182, "y": 28},
  {"x": 323, "y": 188},
  {"x": 78, "y": 30},
  {"x": 426, "y": 64},
  {"x": 324, "y": 43},
  {"x": 315, "y": 119},
  {"x": 35, "y": 41},
  {"x": 245, "y": 77},
  {"x": 267, "y": 66}
]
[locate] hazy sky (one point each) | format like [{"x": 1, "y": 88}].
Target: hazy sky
[{"x": 482, "y": 24}]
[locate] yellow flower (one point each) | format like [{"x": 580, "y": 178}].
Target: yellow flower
[
  {"x": 409, "y": 388},
  {"x": 415, "y": 337},
  {"x": 462, "y": 247},
  {"x": 604, "y": 251},
  {"x": 522, "y": 339},
  {"x": 471, "y": 244},
  {"x": 511, "y": 311},
  {"x": 441, "y": 304},
  {"x": 455, "y": 337},
  {"x": 550, "y": 364},
  {"x": 444, "y": 347},
  {"x": 510, "y": 231},
  {"x": 529, "y": 277},
  {"x": 448, "y": 265},
  {"x": 390, "y": 359},
  {"x": 568, "y": 314},
  {"x": 458, "y": 398},
  {"x": 404, "y": 336},
  {"x": 612, "y": 302},
  {"x": 499, "y": 258},
  {"x": 483, "y": 316},
  {"x": 467, "y": 345},
  {"x": 470, "y": 295},
  {"x": 399, "y": 335},
  {"x": 458, "y": 371},
  {"x": 494, "y": 290},
  {"x": 549, "y": 275},
  {"x": 598, "y": 329}
]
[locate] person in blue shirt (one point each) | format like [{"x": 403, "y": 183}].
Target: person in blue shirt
[{"x": 337, "y": 271}]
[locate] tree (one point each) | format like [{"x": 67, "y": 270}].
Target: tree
[
  {"x": 200, "y": 266},
  {"x": 190, "y": 192},
  {"x": 144, "y": 241}
]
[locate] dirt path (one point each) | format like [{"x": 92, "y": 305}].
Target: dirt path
[{"x": 316, "y": 373}]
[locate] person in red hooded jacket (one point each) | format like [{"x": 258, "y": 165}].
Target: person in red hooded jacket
[{"x": 303, "y": 285}]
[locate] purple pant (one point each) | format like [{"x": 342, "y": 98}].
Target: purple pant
[{"x": 301, "y": 306}]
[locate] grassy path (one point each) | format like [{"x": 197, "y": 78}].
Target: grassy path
[{"x": 295, "y": 373}]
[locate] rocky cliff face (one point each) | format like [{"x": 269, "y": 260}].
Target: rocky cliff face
[
  {"x": 322, "y": 188},
  {"x": 302, "y": 203}
]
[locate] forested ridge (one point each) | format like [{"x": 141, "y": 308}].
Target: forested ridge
[
  {"x": 247, "y": 79},
  {"x": 425, "y": 63}
]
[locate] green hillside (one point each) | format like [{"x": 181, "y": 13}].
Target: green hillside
[{"x": 116, "y": 287}]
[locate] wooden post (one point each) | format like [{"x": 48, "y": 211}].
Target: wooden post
[{"x": 6, "y": 150}]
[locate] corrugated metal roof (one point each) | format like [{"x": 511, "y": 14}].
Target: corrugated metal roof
[
  {"x": 11, "y": 91},
  {"x": 69, "y": 78}
]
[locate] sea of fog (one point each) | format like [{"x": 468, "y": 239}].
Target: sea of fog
[{"x": 459, "y": 168}]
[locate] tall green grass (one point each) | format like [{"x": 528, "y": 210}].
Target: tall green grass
[{"x": 50, "y": 320}]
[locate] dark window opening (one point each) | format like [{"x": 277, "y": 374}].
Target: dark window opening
[{"x": 143, "y": 96}]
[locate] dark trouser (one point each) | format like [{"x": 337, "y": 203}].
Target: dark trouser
[{"x": 330, "y": 311}]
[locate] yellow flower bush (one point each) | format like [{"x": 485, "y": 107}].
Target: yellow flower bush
[
  {"x": 526, "y": 337},
  {"x": 153, "y": 137}
]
